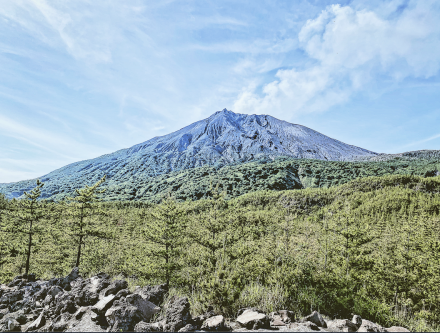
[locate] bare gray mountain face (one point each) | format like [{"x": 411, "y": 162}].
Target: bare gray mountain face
[{"x": 223, "y": 138}]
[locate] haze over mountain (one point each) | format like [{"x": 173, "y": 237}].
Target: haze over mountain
[{"x": 223, "y": 138}]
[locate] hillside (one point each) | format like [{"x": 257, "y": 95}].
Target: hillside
[
  {"x": 237, "y": 179},
  {"x": 222, "y": 139}
]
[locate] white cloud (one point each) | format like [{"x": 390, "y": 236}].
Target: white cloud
[{"x": 349, "y": 49}]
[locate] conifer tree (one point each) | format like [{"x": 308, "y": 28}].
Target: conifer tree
[
  {"x": 5, "y": 240},
  {"x": 83, "y": 207},
  {"x": 209, "y": 227},
  {"x": 26, "y": 215},
  {"x": 164, "y": 231}
]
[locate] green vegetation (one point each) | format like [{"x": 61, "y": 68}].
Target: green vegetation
[
  {"x": 237, "y": 180},
  {"x": 370, "y": 246}
]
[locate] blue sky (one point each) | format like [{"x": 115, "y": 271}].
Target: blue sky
[{"x": 81, "y": 78}]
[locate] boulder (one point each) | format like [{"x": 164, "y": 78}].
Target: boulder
[
  {"x": 113, "y": 288},
  {"x": 86, "y": 324},
  {"x": 61, "y": 322},
  {"x": 87, "y": 292},
  {"x": 316, "y": 318},
  {"x": 123, "y": 317},
  {"x": 80, "y": 312},
  {"x": 154, "y": 294},
  {"x": 11, "y": 297},
  {"x": 147, "y": 308},
  {"x": 49, "y": 298},
  {"x": 3, "y": 312},
  {"x": 342, "y": 325},
  {"x": 122, "y": 293},
  {"x": 127, "y": 312},
  {"x": 357, "y": 320},
  {"x": 198, "y": 321},
  {"x": 188, "y": 328},
  {"x": 13, "y": 325},
  {"x": 281, "y": 317},
  {"x": 252, "y": 319},
  {"x": 369, "y": 326},
  {"x": 39, "y": 322},
  {"x": 54, "y": 290},
  {"x": 148, "y": 327},
  {"x": 216, "y": 323},
  {"x": 396, "y": 329},
  {"x": 177, "y": 314},
  {"x": 104, "y": 304},
  {"x": 40, "y": 294},
  {"x": 65, "y": 302}
]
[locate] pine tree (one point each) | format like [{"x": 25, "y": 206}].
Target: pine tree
[
  {"x": 5, "y": 239},
  {"x": 82, "y": 208},
  {"x": 164, "y": 233},
  {"x": 208, "y": 227},
  {"x": 26, "y": 215}
]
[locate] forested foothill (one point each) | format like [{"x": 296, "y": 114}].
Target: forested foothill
[
  {"x": 348, "y": 243},
  {"x": 282, "y": 173}
]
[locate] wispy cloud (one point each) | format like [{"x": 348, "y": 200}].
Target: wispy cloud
[{"x": 350, "y": 49}]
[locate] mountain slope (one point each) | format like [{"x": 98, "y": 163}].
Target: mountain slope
[{"x": 223, "y": 138}]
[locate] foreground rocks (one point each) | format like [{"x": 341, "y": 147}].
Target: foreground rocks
[{"x": 98, "y": 304}]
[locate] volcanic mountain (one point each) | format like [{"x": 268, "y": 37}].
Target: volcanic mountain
[{"x": 223, "y": 138}]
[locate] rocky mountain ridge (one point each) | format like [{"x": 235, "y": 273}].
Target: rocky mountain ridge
[
  {"x": 223, "y": 138},
  {"x": 98, "y": 304}
]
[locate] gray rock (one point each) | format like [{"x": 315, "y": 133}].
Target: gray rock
[
  {"x": 188, "y": 328},
  {"x": 368, "y": 326},
  {"x": 148, "y": 327},
  {"x": 11, "y": 297},
  {"x": 125, "y": 314},
  {"x": 147, "y": 308},
  {"x": 113, "y": 288},
  {"x": 316, "y": 318},
  {"x": 122, "y": 293},
  {"x": 154, "y": 294},
  {"x": 216, "y": 323},
  {"x": 252, "y": 319},
  {"x": 177, "y": 314},
  {"x": 3, "y": 312},
  {"x": 54, "y": 290},
  {"x": 65, "y": 302},
  {"x": 87, "y": 292},
  {"x": 104, "y": 304},
  {"x": 80, "y": 312},
  {"x": 61, "y": 322},
  {"x": 39, "y": 322},
  {"x": 13, "y": 325},
  {"x": 281, "y": 317},
  {"x": 357, "y": 320},
  {"x": 86, "y": 324},
  {"x": 198, "y": 321},
  {"x": 342, "y": 325}
]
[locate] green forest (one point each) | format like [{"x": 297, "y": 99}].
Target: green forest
[
  {"x": 341, "y": 242},
  {"x": 283, "y": 173}
]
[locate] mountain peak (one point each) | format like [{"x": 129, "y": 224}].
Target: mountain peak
[{"x": 223, "y": 138}]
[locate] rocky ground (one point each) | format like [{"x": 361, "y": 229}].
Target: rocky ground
[{"x": 97, "y": 304}]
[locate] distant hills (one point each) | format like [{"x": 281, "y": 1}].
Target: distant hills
[{"x": 225, "y": 139}]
